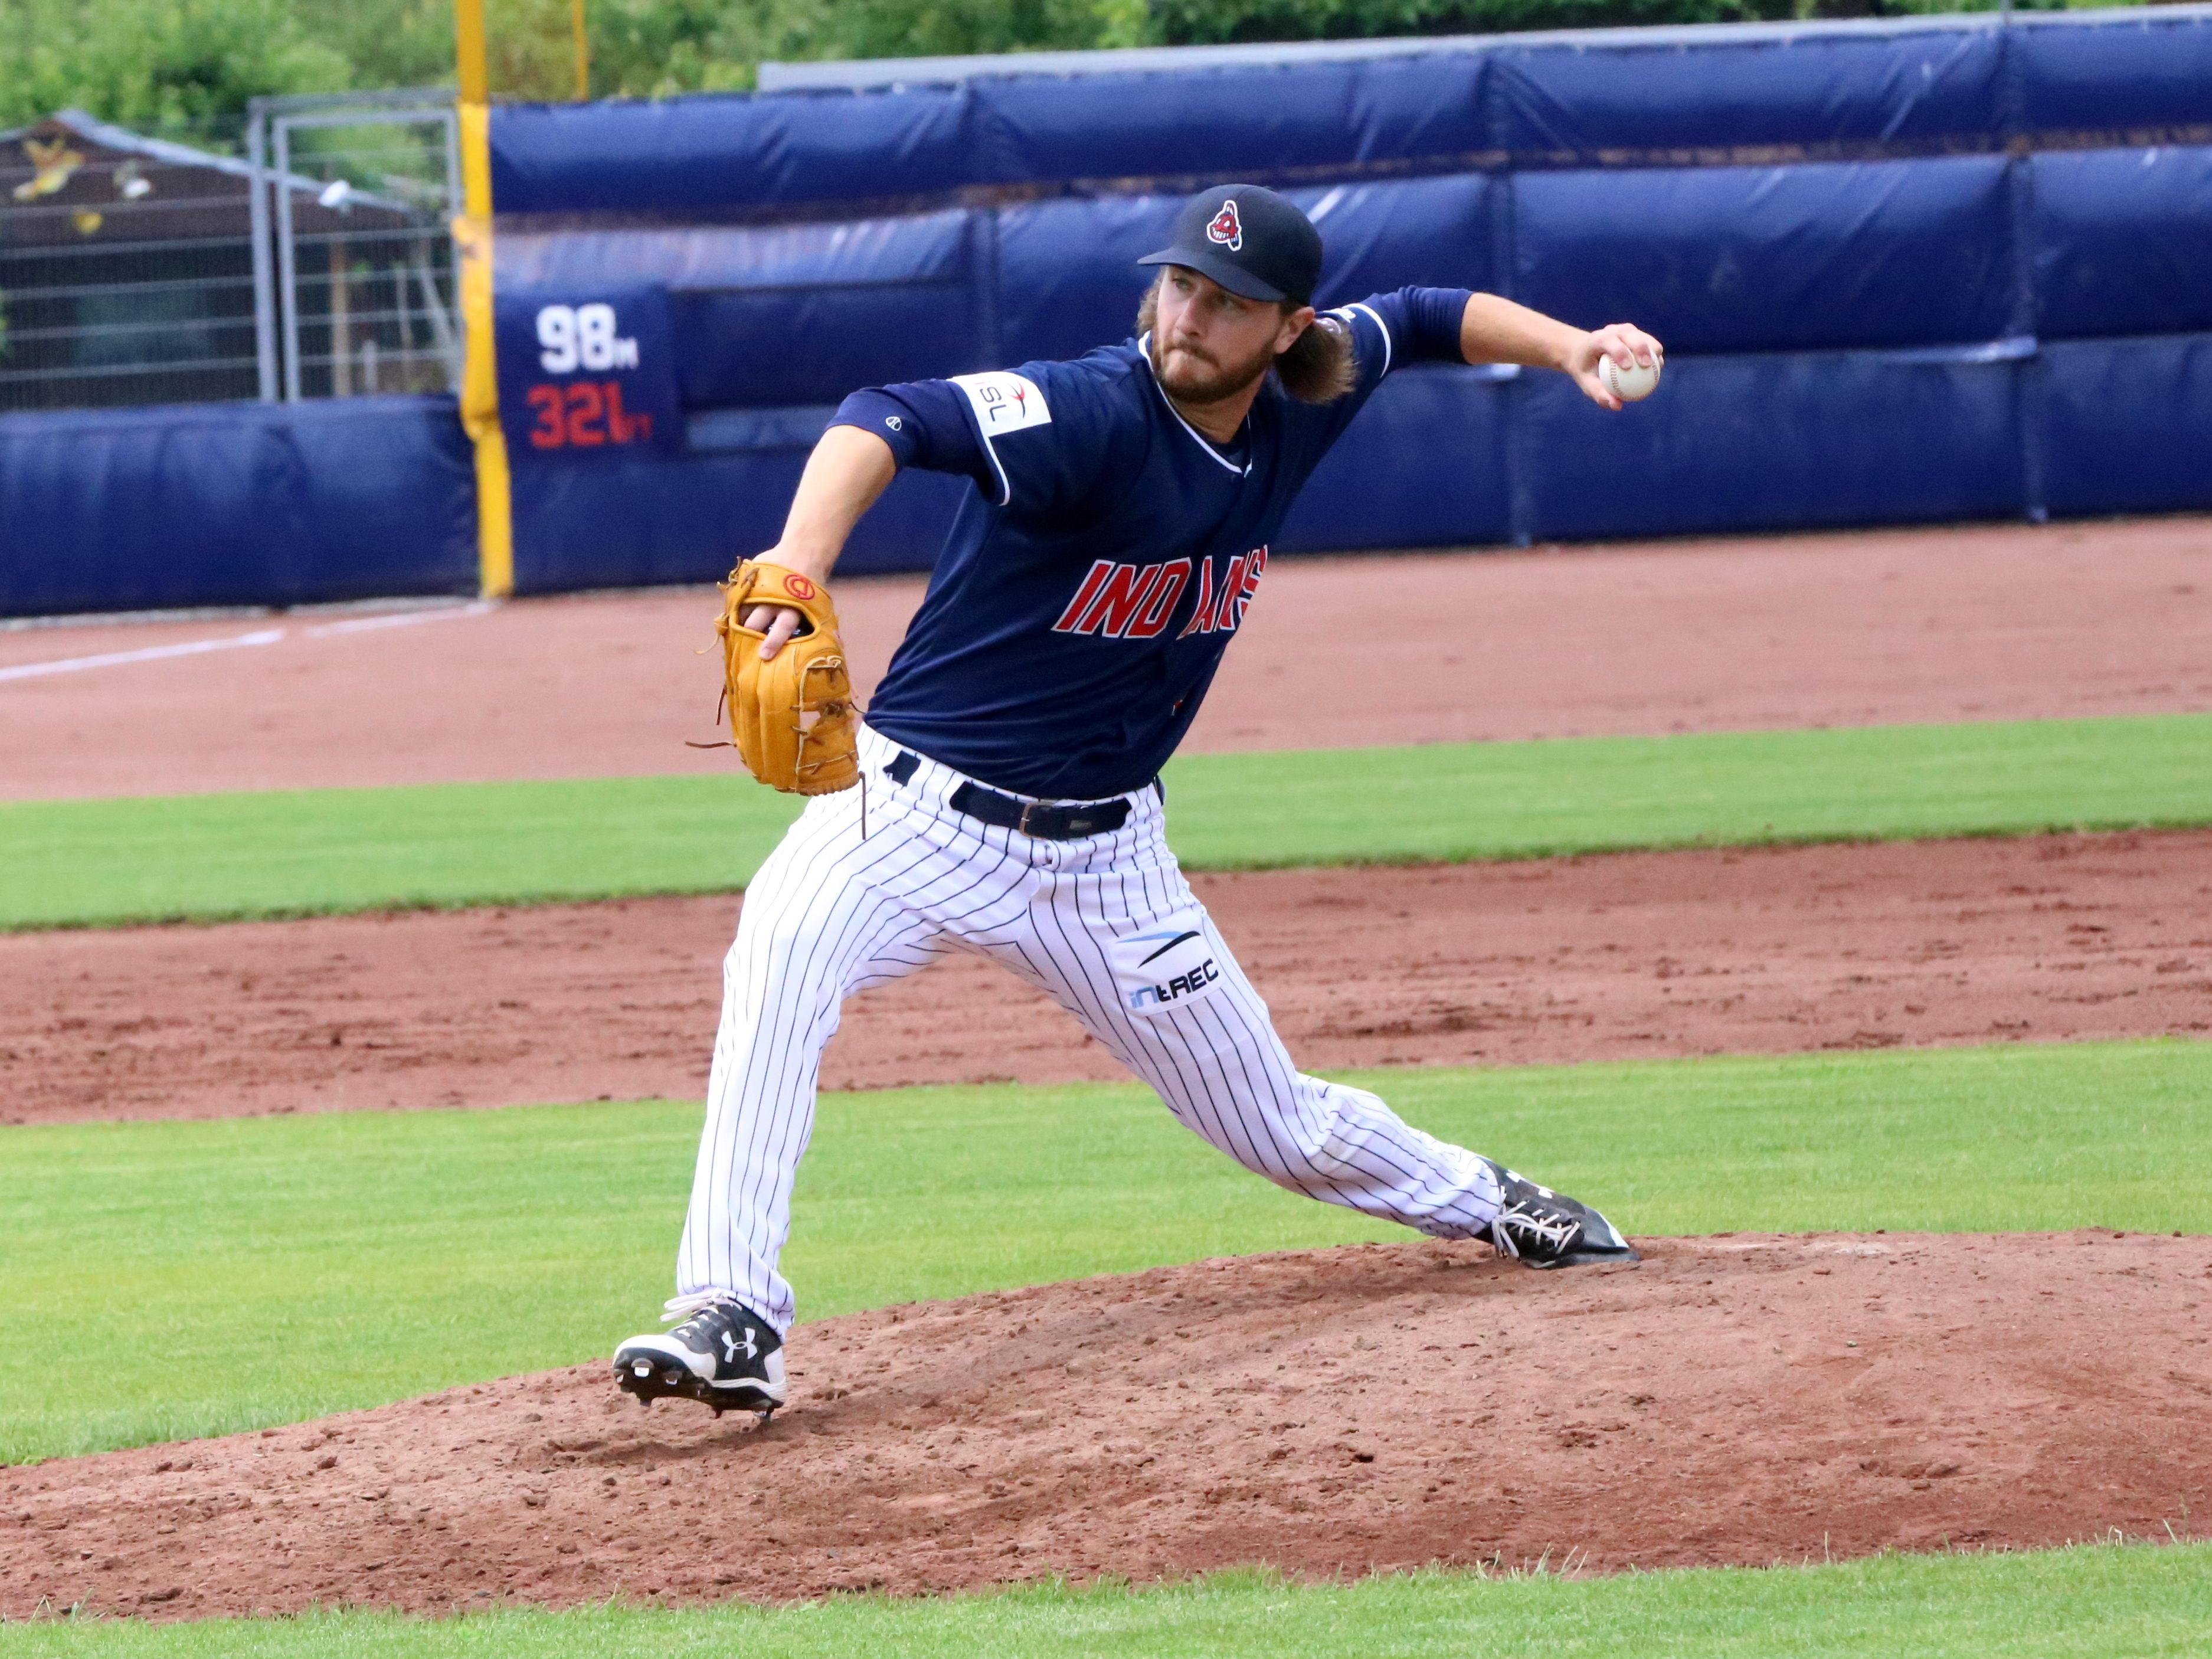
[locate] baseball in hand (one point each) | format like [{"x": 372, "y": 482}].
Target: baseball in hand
[{"x": 1628, "y": 384}]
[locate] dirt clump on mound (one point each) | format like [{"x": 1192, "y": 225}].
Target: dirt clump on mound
[
  {"x": 1743, "y": 1399},
  {"x": 1773, "y": 950}
]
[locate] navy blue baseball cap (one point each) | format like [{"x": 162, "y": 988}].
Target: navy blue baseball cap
[{"x": 1248, "y": 239}]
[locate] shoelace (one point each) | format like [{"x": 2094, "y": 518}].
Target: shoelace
[
  {"x": 1556, "y": 1230},
  {"x": 687, "y": 1307}
]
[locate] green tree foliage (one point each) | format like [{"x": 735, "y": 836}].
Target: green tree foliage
[
  {"x": 1190, "y": 22},
  {"x": 1185, "y": 23},
  {"x": 156, "y": 63},
  {"x": 396, "y": 43},
  {"x": 151, "y": 63},
  {"x": 647, "y": 48},
  {"x": 654, "y": 47}
]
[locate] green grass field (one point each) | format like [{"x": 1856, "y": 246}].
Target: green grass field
[
  {"x": 393, "y": 1253},
  {"x": 396, "y": 1254},
  {"x": 207, "y": 857},
  {"x": 2090, "y": 1601}
]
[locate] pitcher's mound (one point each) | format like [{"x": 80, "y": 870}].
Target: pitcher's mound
[{"x": 1735, "y": 1399}]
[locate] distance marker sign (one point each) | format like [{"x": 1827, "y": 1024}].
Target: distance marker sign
[{"x": 586, "y": 376}]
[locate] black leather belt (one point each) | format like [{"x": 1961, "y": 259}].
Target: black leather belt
[{"x": 1028, "y": 817}]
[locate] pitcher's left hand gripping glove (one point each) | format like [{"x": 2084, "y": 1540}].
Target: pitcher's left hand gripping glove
[{"x": 791, "y": 716}]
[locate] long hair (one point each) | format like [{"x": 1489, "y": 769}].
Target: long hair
[{"x": 1318, "y": 368}]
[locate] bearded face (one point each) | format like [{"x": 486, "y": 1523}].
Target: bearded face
[
  {"x": 1206, "y": 344},
  {"x": 1190, "y": 371}
]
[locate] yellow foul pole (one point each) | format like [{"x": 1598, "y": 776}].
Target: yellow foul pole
[
  {"x": 472, "y": 233},
  {"x": 583, "y": 50}
]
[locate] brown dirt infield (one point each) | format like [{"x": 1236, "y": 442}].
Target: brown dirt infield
[
  {"x": 1734, "y": 1399},
  {"x": 1973, "y": 622},
  {"x": 1772, "y": 950}
]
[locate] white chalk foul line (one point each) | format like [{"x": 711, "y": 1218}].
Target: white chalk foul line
[
  {"x": 261, "y": 636},
  {"x": 144, "y": 653},
  {"x": 404, "y": 619}
]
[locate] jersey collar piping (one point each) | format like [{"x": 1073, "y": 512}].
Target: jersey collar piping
[{"x": 1145, "y": 351}]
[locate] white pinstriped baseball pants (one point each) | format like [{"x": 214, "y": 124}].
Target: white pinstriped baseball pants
[{"x": 835, "y": 910}]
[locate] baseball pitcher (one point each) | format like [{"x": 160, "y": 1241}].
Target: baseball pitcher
[{"x": 1010, "y": 802}]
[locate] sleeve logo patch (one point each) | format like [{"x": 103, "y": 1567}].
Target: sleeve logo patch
[
  {"x": 1227, "y": 228},
  {"x": 1004, "y": 402}
]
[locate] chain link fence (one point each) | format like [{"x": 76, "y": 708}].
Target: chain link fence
[
  {"x": 363, "y": 276},
  {"x": 148, "y": 268}
]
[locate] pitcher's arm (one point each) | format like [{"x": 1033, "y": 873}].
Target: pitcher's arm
[
  {"x": 848, "y": 468},
  {"x": 1496, "y": 330}
]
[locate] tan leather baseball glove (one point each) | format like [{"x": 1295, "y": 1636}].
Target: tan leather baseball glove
[{"x": 791, "y": 717}]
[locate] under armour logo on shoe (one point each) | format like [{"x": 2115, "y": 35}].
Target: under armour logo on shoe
[{"x": 729, "y": 1346}]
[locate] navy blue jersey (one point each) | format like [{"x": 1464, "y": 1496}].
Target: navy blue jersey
[{"x": 1082, "y": 603}]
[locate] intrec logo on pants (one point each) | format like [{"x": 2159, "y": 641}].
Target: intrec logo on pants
[{"x": 1182, "y": 985}]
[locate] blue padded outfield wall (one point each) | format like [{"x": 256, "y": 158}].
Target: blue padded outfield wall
[
  {"x": 1906, "y": 271},
  {"x": 129, "y": 509}
]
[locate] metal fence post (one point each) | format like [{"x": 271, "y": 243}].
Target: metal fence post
[
  {"x": 287, "y": 273},
  {"x": 265, "y": 285}
]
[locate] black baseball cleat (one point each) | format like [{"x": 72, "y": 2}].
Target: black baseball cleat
[
  {"x": 1540, "y": 1227},
  {"x": 725, "y": 1356}
]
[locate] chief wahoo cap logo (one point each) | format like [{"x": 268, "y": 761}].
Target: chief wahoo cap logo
[{"x": 1227, "y": 228}]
